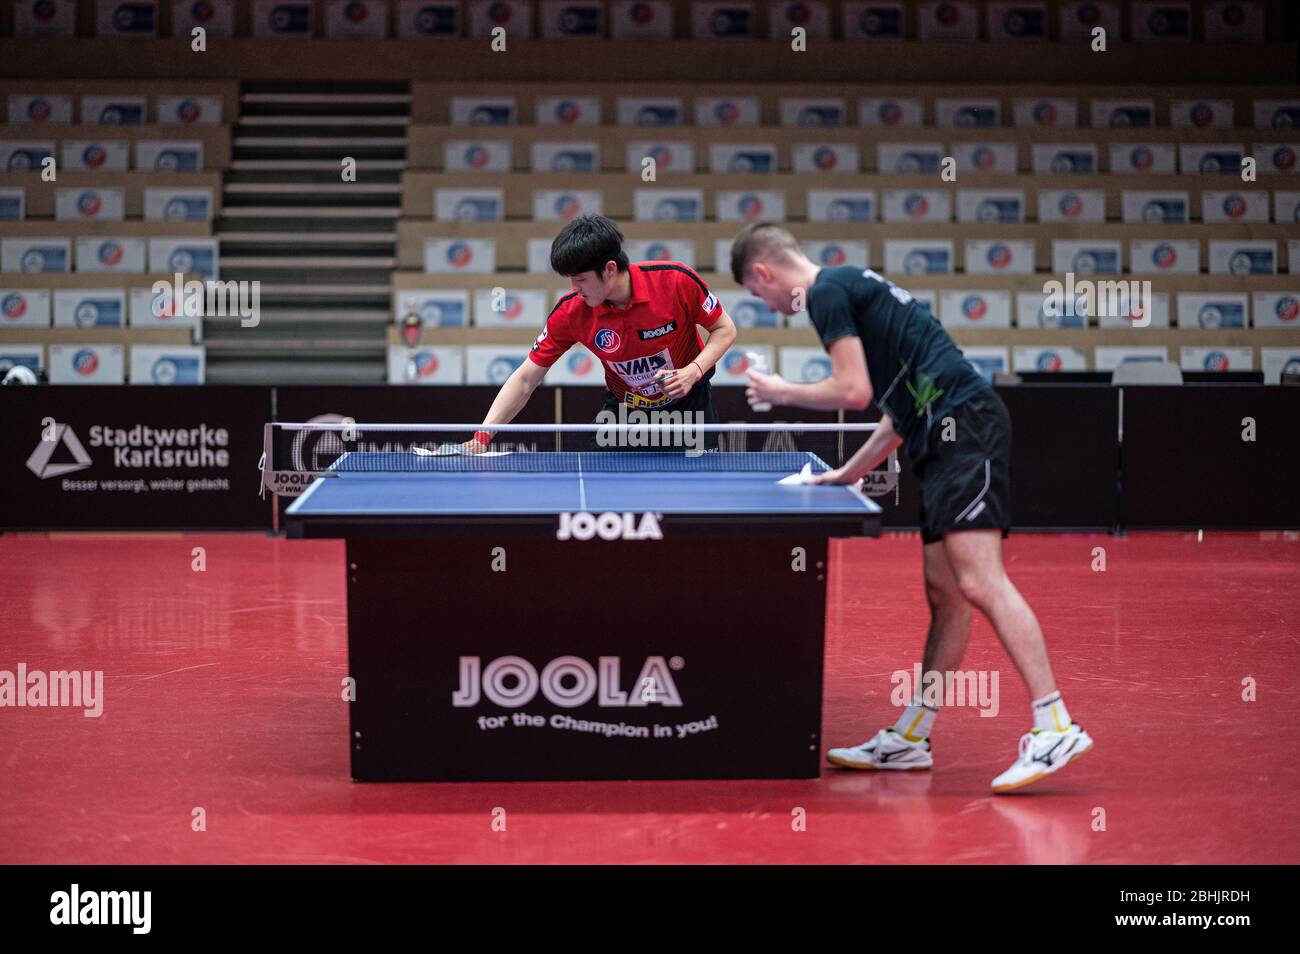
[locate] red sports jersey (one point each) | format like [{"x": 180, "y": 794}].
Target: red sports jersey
[{"x": 655, "y": 332}]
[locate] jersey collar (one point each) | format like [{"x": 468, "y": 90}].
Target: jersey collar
[{"x": 637, "y": 295}]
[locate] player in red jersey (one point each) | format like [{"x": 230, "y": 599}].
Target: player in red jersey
[{"x": 638, "y": 319}]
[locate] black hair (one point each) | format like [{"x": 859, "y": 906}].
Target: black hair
[{"x": 585, "y": 244}]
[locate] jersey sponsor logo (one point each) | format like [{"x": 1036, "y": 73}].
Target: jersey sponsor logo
[
  {"x": 540, "y": 338},
  {"x": 649, "y": 334},
  {"x": 710, "y": 303},
  {"x": 607, "y": 339},
  {"x": 639, "y": 373}
]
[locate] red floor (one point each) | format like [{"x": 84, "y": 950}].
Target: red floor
[{"x": 222, "y": 692}]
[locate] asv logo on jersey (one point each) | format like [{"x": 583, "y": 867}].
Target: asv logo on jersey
[
  {"x": 609, "y": 526},
  {"x": 512, "y": 681}
]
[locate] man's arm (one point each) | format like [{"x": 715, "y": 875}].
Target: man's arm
[
  {"x": 848, "y": 387},
  {"x": 883, "y": 442},
  {"x": 510, "y": 400},
  {"x": 722, "y": 334}
]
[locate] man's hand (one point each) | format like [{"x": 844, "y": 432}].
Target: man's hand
[
  {"x": 682, "y": 380},
  {"x": 840, "y": 475},
  {"x": 474, "y": 447},
  {"x": 765, "y": 387}
]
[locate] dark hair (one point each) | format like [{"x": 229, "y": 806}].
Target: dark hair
[
  {"x": 586, "y": 244},
  {"x": 762, "y": 240}
]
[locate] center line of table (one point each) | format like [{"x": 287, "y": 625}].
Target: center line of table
[{"x": 582, "y": 488}]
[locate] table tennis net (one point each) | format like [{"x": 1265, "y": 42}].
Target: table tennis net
[{"x": 315, "y": 449}]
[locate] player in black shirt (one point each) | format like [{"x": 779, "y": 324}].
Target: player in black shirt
[{"x": 887, "y": 349}]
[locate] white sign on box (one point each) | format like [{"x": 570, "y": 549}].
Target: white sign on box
[
  {"x": 804, "y": 365},
  {"x": 909, "y": 157},
  {"x": 648, "y": 110},
  {"x": 36, "y": 255},
  {"x": 476, "y": 155},
  {"x": 149, "y": 310},
  {"x": 742, "y": 157},
  {"x": 13, "y": 204},
  {"x": 20, "y": 355},
  {"x": 650, "y": 250},
  {"x": 863, "y": 21},
  {"x": 975, "y": 309},
  {"x": 516, "y": 308},
  {"x": 1239, "y": 205},
  {"x": 1277, "y": 113},
  {"x": 493, "y": 364},
  {"x": 24, "y": 308},
  {"x": 215, "y": 17},
  {"x": 991, "y": 205},
  {"x": 891, "y": 112},
  {"x": 668, "y": 156},
  {"x": 105, "y": 254},
  {"x": 641, "y": 20},
  {"x": 1276, "y": 309},
  {"x": 1275, "y": 362},
  {"x": 469, "y": 205},
  {"x": 90, "y": 204},
  {"x": 916, "y": 205},
  {"x": 919, "y": 257},
  {"x": 841, "y": 205},
  {"x": 483, "y": 110},
  {"x": 1016, "y": 20},
  {"x": 1110, "y": 357},
  {"x": 1086, "y": 257},
  {"x": 1213, "y": 310},
  {"x": 198, "y": 256},
  {"x": 1164, "y": 256},
  {"x": 824, "y": 157},
  {"x": 50, "y": 109},
  {"x": 443, "y": 255},
  {"x": 189, "y": 110},
  {"x": 1286, "y": 210},
  {"x": 743, "y": 205},
  {"x": 45, "y": 18},
  {"x": 1293, "y": 255},
  {"x": 577, "y": 366},
  {"x": 168, "y": 364},
  {"x": 567, "y": 110},
  {"x": 420, "y": 18},
  {"x": 1045, "y": 112},
  {"x": 426, "y": 365},
  {"x": 727, "y": 111},
  {"x": 830, "y": 253},
  {"x": 999, "y": 256},
  {"x": 169, "y": 155},
  {"x": 1234, "y": 20},
  {"x": 987, "y": 157},
  {"x": 967, "y": 113},
  {"x": 86, "y": 155},
  {"x": 513, "y": 16},
  {"x": 1160, "y": 20},
  {"x": 1045, "y": 359},
  {"x": 1243, "y": 257},
  {"x": 561, "y": 205},
  {"x": 1032, "y": 312},
  {"x": 668, "y": 205},
  {"x": 136, "y": 19},
  {"x": 988, "y": 360},
  {"x": 1169, "y": 207},
  {"x": 570, "y": 19},
  {"x": 1216, "y": 358},
  {"x": 178, "y": 205},
  {"x": 87, "y": 364},
  {"x": 356, "y": 18},
  {"x": 1079, "y": 18},
  {"x": 1131, "y": 311},
  {"x": 89, "y": 308},
  {"x": 1200, "y": 113},
  {"x": 812, "y": 111},
  {"x": 725, "y": 20},
  {"x": 947, "y": 20},
  {"x": 1148, "y": 157},
  {"x": 25, "y": 155},
  {"x": 812, "y": 16},
  {"x": 747, "y": 311},
  {"x": 1064, "y": 158},
  {"x": 539, "y": 255},
  {"x": 732, "y": 370},
  {"x": 1210, "y": 158},
  {"x": 1123, "y": 113},
  {"x": 435, "y": 307},
  {"x": 282, "y": 18}
]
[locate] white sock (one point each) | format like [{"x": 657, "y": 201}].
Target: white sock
[
  {"x": 916, "y": 722},
  {"x": 1050, "y": 713}
]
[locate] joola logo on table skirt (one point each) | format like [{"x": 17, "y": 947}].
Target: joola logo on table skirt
[
  {"x": 566, "y": 681},
  {"x": 609, "y": 526}
]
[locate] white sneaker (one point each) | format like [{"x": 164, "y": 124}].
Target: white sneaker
[
  {"x": 1042, "y": 752},
  {"x": 887, "y": 749}
]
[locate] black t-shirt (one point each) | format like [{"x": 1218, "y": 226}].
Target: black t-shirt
[{"x": 918, "y": 375}]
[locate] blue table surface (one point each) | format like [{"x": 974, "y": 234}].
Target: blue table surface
[{"x": 546, "y": 483}]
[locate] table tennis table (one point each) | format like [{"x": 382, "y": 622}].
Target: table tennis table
[{"x": 583, "y": 615}]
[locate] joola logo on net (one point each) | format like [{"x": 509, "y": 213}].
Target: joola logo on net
[
  {"x": 609, "y": 526},
  {"x": 566, "y": 681}
]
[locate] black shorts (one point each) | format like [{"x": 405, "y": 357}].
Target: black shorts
[
  {"x": 698, "y": 399},
  {"x": 965, "y": 482}
]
